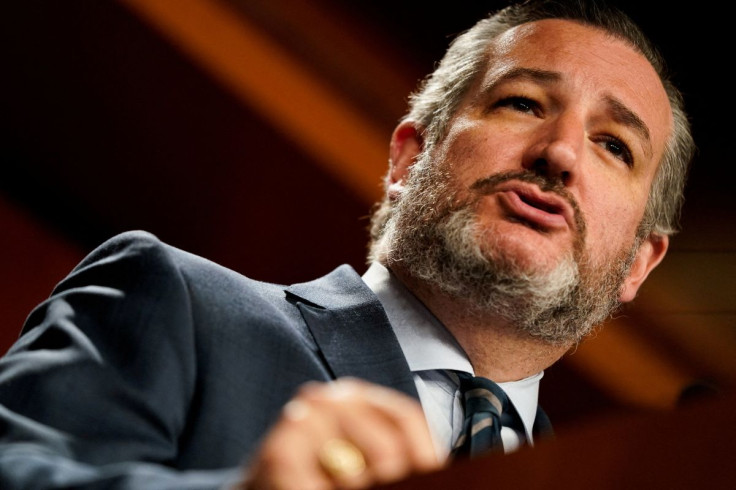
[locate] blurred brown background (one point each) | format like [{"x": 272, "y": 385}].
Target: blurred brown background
[{"x": 255, "y": 133}]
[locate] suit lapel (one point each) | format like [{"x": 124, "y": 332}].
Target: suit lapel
[{"x": 352, "y": 330}]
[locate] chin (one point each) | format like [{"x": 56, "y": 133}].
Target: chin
[{"x": 527, "y": 249}]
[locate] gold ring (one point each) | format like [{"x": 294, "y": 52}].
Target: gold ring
[{"x": 341, "y": 459}]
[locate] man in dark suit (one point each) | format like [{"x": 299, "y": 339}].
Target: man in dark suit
[{"x": 532, "y": 188}]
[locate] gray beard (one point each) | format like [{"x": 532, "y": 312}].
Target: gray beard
[{"x": 439, "y": 243}]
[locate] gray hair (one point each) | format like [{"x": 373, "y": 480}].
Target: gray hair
[{"x": 439, "y": 95}]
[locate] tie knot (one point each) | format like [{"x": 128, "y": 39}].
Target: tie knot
[
  {"x": 487, "y": 408},
  {"x": 482, "y": 395}
]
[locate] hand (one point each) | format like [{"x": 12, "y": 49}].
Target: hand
[{"x": 377, "y": 434}]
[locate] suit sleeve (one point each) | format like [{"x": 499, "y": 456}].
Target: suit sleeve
[{"x": 95, "y": 392}]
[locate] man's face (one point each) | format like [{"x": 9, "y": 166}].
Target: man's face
[
  {"x": 552, "y": 153},
  {"x": 569, "y": 102}
]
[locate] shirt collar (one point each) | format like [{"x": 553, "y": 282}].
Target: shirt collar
[{"x": 428, "y": 345}]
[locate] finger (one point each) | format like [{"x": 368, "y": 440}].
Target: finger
[
  {"x": 382, "y": 443},
  {"x": 355, "y": 432},
  {"x": 285, "y": 460},
  {"x": 282, "y": 467},
  {"x": 387, "y": 429},
  {"x": 406, "y": 415},
  {"x": 320, "y": 412},
  {"x": 344, "y": 463},
  {"x": 388, "y": 426}
]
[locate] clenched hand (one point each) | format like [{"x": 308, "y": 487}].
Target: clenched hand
[{"x": 344, "y": 434}]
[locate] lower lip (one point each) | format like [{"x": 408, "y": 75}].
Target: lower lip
[{"x": 520, "y": 209}]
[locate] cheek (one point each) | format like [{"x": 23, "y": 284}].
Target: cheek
[
  {"x": 476, "y": 153},
  {"x": 612, "y": 223}
]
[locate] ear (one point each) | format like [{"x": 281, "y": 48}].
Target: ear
[
  {"x": 650, "y": 254},
  {"x": 406, "y": 144}
]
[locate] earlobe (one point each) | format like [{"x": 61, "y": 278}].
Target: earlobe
[
  {"x": 406, "y": 145},
  {"x": 650, "y": 254}
]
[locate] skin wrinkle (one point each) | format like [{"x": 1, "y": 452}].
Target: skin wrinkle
[
  {"x": 488, "y": 185},
  {"x": 617, "y": 110},
  {"x": 629, "y": 202},
  {"x": 623, "y": 115},
  {"x": 614, "y": 59},
  {"x": 505, "y": 43},
  {"x": 451, "y": 238},
  {"x": 441, "y": 245}
]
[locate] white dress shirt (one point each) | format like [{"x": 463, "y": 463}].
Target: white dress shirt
[{"x": 431, "y": 351}]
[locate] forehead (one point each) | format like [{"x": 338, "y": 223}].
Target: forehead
[{"x": 593, "y": 65}]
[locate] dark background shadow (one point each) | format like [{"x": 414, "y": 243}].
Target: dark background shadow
[{"x": 107, "y": 126}]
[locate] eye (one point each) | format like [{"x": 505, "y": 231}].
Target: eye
[
  {"x": 520, "y": 104},
  {"x": 618, "y": 149}
]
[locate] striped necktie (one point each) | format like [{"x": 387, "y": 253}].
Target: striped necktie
[{"x": 487, "y": 409}]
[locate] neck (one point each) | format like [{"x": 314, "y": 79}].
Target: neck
[{"x": 496, "y": 349}]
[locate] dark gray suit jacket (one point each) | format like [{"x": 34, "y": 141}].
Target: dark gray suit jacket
[{"x": 149, "y": 367}]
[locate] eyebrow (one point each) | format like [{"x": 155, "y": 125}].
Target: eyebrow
[
  {"x": 617, "y": 109},
  {"x": 543, "y": 77},
  {"x": 623, "y": 115},
  {"x": 520, "y": 73}
]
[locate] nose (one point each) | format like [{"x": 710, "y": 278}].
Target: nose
[{"x": 557, "y": 149}]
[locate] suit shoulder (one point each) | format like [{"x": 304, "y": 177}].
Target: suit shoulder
[{"x": 133, "y": 242}]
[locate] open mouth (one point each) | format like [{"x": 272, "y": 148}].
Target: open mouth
[
  {"x": 547, "y": 207},
  {"x": 541, "y": 211},
  {"x": 533, "y": 200}
]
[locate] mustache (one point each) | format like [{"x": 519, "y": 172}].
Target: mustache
[{"x": 488, "y": 185}]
